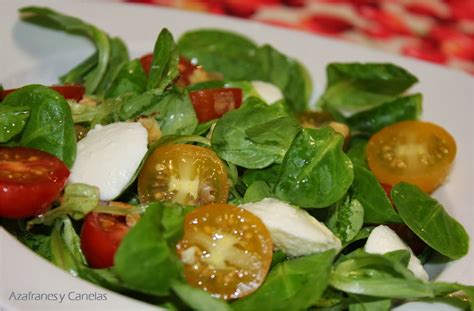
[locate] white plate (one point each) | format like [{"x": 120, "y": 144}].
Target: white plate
[{"x": 32, "y": 54}]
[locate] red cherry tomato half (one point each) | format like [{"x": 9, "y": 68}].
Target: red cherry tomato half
[
  {"x": 70, "y": 91},
  {"x": 101, "y": 235},
  {"x": 186, "y": 70},
  {"x": 211, "y": 104},
  {"x": 146, "y": 61},
  {"x": 30, "y": 180}
]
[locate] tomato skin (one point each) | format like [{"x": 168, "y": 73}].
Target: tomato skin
[
  {"x": 416, "y": 152},
  {"x": 226, "y": 250},
  {"x": 30, "y": 180},
  {"x": 146, "y": 61},
  {"x": 69, "y": 91},
  {"x": 182, "y": 173},
  {"x": 211, "y": 104},
  {"x": 101, "y": 235}
]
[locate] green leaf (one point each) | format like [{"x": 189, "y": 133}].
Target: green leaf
[
  {"x": 175, "y": 114},
  {"x": 257, "y": 191},
  {"x": 377, "y": 206},
  {"x": 173, "y": 110},
  {"x": 197, "y": 299},
  {"x": 239, "y": 59},
  {"x": 427, "y": 218},
  {"x": 373, "y": 120},
  {"x": 12, "y": 120},
  {"x": 130, "y": 80},
  {"x": 356, "y": 151},
  {"x": 49, "y": 127},
  {"x": 66, "y": 255},
  {"x": 105, "y": 112},
  {"x": 377, "y": 276},
  {"x": 315, "y": 171},
  {"x": 356, "y": 86},
  {"x": 78, "y": 201},
  {"x": 252, "y": 136},
  {"x": 294, "y": 284},
  {"x": 216, "y": 50},
  {"x": 269, "y": 175},
  {"x": 52, "y": 19},
  {"x": 164, "y": 67},
  {"x": 367, "y": 303},
  {"x": 287, "y": 74},
  {"x": 146, "y": 259},
  {"x": 361, "y": 235},
  {"x": 346, "y": 219},
  {"x": 135, "y": 106},
  {"x": 118, "y": 59},
  {"x": 38, "y": 242}
]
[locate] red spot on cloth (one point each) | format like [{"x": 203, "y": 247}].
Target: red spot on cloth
[
  {"x": 453, "y": 42},
  {"x": 327, "y": 24},
  {"x": 462, "y": 9},
  {"x": 385, "y": 19},
  {"x": 425, "y": 50},
  {"x": 423, "y": 9}
]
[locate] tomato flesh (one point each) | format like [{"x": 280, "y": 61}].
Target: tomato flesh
[
  {"x": 70, "y": 91},
  {"x": 30, "y": 180},
  {"x": 146, "y": 61},
  {"x": 185, "y": 174},
  {"x": 101, "y": 235},
  {"x": 211, "y": 104},
  {"x": 226, "y": 250},
  {"x": 420, "y": 153}
]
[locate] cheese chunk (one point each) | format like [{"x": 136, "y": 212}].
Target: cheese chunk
[
  {"x": 109, "y": 156},
  {"x": 383, "y": 240},
  {"x": 293, "y": 230},
  {"x": 267, "y": 91}
]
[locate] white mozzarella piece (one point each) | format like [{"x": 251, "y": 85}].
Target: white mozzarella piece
[
  {"x": 383, "y": 240},
  {"x": 267, "y": 91},
  {"x": 109, "y": 156},
  {"x": 293, "y": 230}
]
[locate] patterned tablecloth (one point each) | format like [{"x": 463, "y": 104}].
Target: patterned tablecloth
[{"x": 439, "y": 31}]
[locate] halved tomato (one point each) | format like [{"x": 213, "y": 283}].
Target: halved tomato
[
  {"x": 211, "y": 104},
  {"x": 226, "y": 250},
  {"x": 30, "y": 180},
  {"x": 101, "y": 235},
  {"x": 146, "y": 61},
  {"x": 185, "y": 174},
  {"x": 420, "y": 153}
]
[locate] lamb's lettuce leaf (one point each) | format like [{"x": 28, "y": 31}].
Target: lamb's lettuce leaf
[
  {"x": 254, "y": 136},
  {"x": 92, "y": 71},
  {"x": 400, "y": 109},
  {"x": 146, "y": 259},
  {"x": 427, "y": 218},
  {"x": 49, "y": 126},
  {"x": 367, "y": 190},
  {"x": 294, "y": 284},
  {"x": 353, "y": 87},
  {"x": 164, "y": 67},
  {"x": 315, "y": 172}
]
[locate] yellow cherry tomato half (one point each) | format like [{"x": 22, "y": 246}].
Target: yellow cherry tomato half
[
  {"x": 416, "y": 152},
  {"x": 185, "y": 174},
  {"x": 226, "y": 250}
]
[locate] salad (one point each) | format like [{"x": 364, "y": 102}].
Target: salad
[{"x": 197, "y": 177}]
